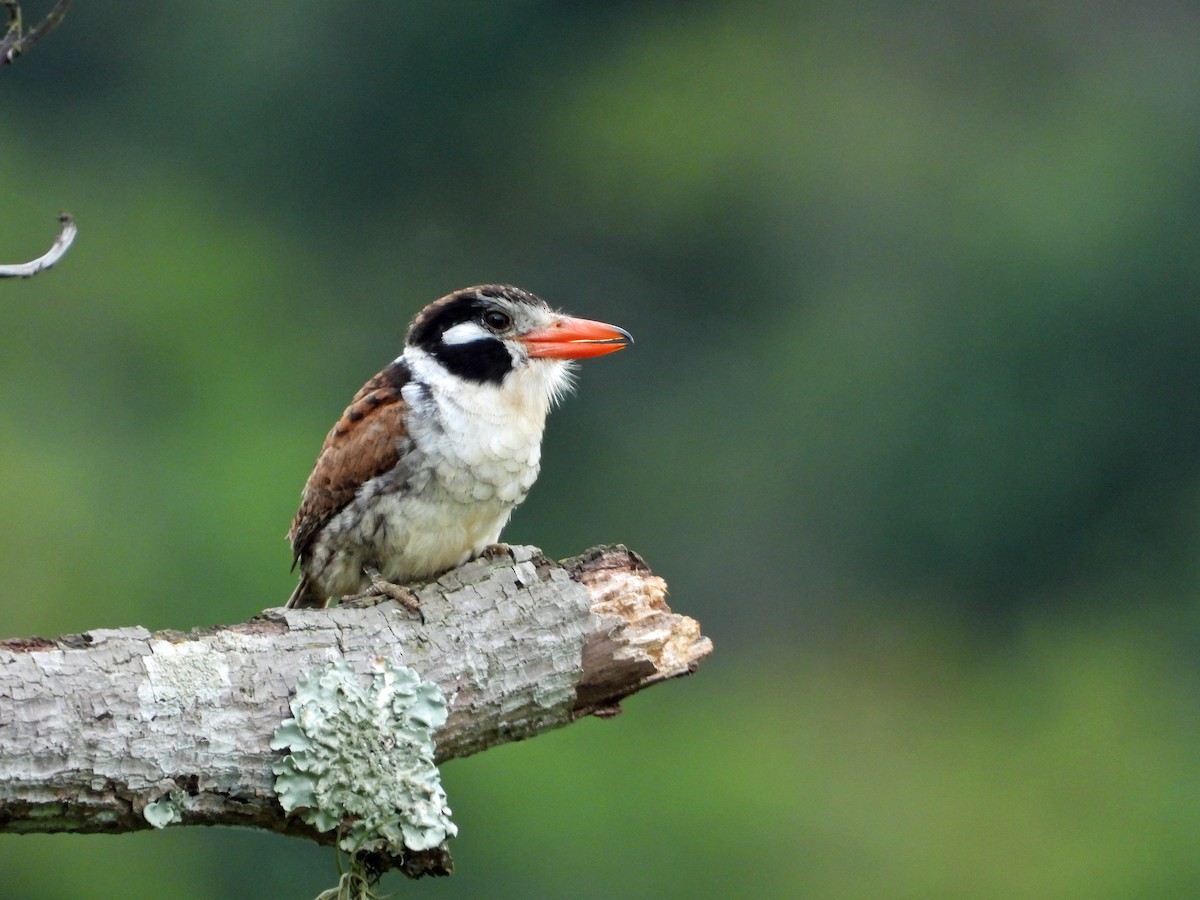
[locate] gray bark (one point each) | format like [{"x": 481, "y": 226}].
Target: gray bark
[{"x": 95, "y": 727}]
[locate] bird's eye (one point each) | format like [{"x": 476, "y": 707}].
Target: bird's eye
[{"x": 497, "y": 320}]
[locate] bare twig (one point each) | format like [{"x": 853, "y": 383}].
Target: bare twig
[
  {"x": 47, "y": 259},
  {"x": 16, "y": 41}
]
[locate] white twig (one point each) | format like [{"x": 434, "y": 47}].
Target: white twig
[{"x": 47, "y": 259}]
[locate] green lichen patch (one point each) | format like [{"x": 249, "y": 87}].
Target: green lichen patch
[{"x": 361, "y": 758}]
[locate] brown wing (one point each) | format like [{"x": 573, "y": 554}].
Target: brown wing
[{"x": 364, "y": 443}]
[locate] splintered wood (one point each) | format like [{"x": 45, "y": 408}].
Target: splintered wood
[{"x": 639, "y": 641}]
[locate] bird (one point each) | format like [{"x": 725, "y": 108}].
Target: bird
[{"x": 426, "y": 465}]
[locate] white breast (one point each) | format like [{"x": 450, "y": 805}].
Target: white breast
[
  {"x": 482, "y": 441},
  {"x": 475, "y": 453}
]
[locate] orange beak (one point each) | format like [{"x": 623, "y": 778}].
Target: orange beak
[{"x": 570, "y": 338}]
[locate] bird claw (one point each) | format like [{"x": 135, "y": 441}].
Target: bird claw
[{"x": 382, "y": 589}]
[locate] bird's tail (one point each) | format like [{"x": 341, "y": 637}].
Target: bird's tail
[{"x": 304, "y": 597}]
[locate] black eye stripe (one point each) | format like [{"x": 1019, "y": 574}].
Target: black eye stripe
[
  {"x": 480, "y": 361},
  {"x": 483, "y": 359},
  {"x": 440, "y": 317}
]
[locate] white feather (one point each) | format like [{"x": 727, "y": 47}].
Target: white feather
[
  {"x": 475, "y": 453},
  {"x": 464, "y": 333}
]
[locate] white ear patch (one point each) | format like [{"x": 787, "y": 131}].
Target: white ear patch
[{"x": 464, "y": 333}]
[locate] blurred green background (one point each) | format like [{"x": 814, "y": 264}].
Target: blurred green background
[{"x": 911, "y": 424}]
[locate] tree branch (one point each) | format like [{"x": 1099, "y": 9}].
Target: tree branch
[
  {"x": 96, "y": 727},
  {"x": 16, "y": 40},
  {"x": 66, "y": 237}
]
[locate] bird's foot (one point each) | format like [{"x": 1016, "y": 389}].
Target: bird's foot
[{"x": 382, "y": 589}]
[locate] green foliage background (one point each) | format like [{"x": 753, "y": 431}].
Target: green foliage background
[{"x": 911, "y": 426}]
